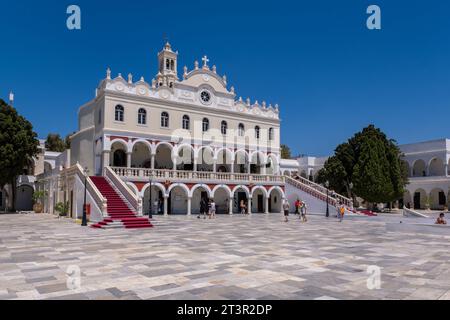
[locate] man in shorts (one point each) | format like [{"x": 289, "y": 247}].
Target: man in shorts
[{"x": 286, "y": 207}]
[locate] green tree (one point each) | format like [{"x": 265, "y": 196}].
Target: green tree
[
  {"x": 55, "y": 143},
  {"x": 372, "y": 163},
  {"x": 285, "y": 152},
  {"x": 67, "y": 141},
  {"x": 18, "y": 146}
]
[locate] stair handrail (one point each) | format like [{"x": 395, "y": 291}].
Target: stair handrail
[
  {"x": 407, "y": 211},
  {"x": 132, "y": 198},
  {"x": 101, "y": 201},
  {"x": 346, "y": 201},
  {"x": 319, "y": 194}
]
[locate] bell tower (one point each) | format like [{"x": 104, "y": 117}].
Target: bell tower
[{"x": 167, "y": 62}]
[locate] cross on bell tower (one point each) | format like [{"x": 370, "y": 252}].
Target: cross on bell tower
[
  {"x": 167, "y": 62},
  {"x": 205, "y": 62}
]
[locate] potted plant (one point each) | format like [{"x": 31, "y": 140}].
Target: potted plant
[
  {"x": 38, "y": 196},
  {"x": 62, "y": 208},
  {"x": 427, "y": 203}
]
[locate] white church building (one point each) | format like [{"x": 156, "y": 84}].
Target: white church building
[{"x": 177, "y": 139}]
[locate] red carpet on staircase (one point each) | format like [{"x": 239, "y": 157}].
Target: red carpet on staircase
[{"x": 120, "y": 215}]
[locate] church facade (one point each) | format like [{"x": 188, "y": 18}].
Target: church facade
[{"x": 189, "y": 136}]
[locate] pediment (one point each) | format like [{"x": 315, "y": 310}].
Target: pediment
[{"x": 202, "y": 77}]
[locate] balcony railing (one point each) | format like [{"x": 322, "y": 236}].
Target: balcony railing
[{"x": 202, "y": 176}]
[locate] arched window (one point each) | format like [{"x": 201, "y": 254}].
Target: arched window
[
  {"x": 224, "y": 127},
  {"x": 119, "y": 113},
  {"x": 257, "y": 132},
  {"x": 172, "y": 65},
  {"x": 167, "y": 64},
  {"x": 186, "y": 122},
  {"x": 205, "y": 125},
  {"x": 241, "y": 130},
  {"x": 271, "y": 137},
  {"x": 142, "y": 116},
  {"x": 164, "y": 120},
  {"x": 100, "y": 116}
]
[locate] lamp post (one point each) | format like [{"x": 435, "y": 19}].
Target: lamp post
[
  {"x": 84, "y": 219},
  {"x": 327, "y": 185},
  {"x": 151, "y": 202},
  {"x": 351, "y": 193}
]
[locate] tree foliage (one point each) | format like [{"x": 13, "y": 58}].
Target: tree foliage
[
  {"x": 371, "y": 163},
  {"x": 55, "y": 143},
  {"x": 18, "y": 145},
  {"x": 285, "y": 152}
]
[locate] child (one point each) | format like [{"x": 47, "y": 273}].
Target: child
[{"x": 441, "y": 219}]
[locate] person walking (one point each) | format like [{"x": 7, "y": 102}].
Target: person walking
[
  {"x": 303, "y": 212},
  {"x": 338, "y": 210},
  {"x": 203, "y": 208},
  {"x": 341, "y": 212},
  {"x": 286, "y": 207},
  {"x": 212, "y": 209},
  {"x": 243, "y": 207},
  {"x": 297, "y": 205},
  {"x": 156, "y": 206}
]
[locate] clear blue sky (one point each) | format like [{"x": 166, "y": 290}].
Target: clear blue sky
[{"x": 329, "y": 73}]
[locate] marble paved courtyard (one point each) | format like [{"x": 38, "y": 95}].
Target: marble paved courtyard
[{"x": 239, "y": 257}]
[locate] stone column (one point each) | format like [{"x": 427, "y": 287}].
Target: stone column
[
  {"x": 249, "y": 209},
  {"x": 195, "y": 163},
  {"x": 165, "y": 205},
  {"x": 174, "y": 161},
  {"x": 230, "y": 206},
  {"x": 189, "y": 201},
  {"x": 106, "y": 159},
  {"x": 128, "y": 159},
  {"x": 214, "y": 165},
  {"x": 267, "y": 205},
  {"x": 152, "y": 161},
  {"x": 249, "y": 168},
  {"x": 232, "y": 167},
  {"x": 446, "y": 170}
]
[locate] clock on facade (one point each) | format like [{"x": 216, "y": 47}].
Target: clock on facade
[{"x": 205, "y": 96}]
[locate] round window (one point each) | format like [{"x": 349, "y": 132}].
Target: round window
[{"x": 205, "y": 96}]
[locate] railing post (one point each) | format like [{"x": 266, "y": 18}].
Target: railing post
[{"x": 139, "y": 207}]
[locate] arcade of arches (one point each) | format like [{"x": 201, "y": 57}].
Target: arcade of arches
[
  {"x": 178, "y": 198},
  {"x": 436, "y": 199},
  {"x": 186, "y": 158},
  {"x": 434, "y": 168}
]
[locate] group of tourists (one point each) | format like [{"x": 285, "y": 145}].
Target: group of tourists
[
  {"x": 300, "y": 209},
  {"x": 207, "y": 207}
]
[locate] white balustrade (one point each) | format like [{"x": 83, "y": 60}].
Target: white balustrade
[
  {"x": 180, "y": 175},
  {"x": 319, "y": 191}
]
